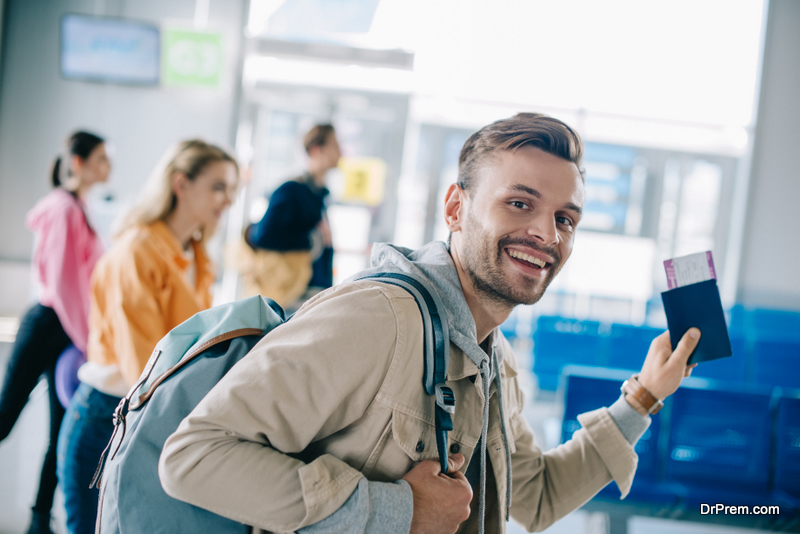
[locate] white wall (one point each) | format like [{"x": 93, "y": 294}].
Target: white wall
[
  {"x": 771, "y": 249},
  {"x": 38, "y": 109}
]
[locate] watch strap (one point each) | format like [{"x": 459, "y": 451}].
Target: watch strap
[{"x": 635, "y": 389}]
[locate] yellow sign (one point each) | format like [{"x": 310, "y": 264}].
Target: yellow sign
[{"x": 363, "y": 180}]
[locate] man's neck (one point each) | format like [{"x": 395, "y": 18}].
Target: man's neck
[
  {"x": 318, "y": 173},
  {"x": 486, "y": 313}
]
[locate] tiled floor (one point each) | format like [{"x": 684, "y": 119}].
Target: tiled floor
[{"x": 21, "y": 455}]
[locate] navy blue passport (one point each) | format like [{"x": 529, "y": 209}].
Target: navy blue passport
[{"x": 698, "y": 305}]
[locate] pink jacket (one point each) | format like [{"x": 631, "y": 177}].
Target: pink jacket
[{"x": 64, "y": 257}]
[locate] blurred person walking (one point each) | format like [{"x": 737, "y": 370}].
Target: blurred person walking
[
  {"x": 294, "y": 250},
  {"x": 155, "y": 276},
  {"x": 66, "y": 250}
]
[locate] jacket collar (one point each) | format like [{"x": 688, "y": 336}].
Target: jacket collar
[
  {"x": 464, "y": 367},
  {"x": 171, "y": 248}
]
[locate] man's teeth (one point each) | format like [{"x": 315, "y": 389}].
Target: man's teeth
[{"x": 530, "y": 259}]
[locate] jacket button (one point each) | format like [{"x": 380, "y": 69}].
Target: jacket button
[
  {"x": 454, "y": 448},
  {"x": 420, "y": 446}
]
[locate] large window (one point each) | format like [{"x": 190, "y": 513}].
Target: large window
[{"x": 663, "y": 95}]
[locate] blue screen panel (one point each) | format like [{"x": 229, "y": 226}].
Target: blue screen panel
[{"x": 109, "y": 50}]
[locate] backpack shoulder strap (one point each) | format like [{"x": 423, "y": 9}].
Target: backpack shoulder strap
[{"x": 436, "y": 344}]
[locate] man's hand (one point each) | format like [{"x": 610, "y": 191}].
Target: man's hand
[
  {"x": 664, "y": 369},
  {"x": 441, "y": 502}
]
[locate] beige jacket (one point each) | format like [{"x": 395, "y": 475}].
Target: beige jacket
[{"x": 330, "y": 397}]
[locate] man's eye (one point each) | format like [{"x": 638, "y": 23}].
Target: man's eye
[
  {"x": 564, "y": 220},
  {"x": 519, "y": 204}
]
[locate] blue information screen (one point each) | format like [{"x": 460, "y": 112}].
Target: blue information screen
[{"x": 109, "y": 50}]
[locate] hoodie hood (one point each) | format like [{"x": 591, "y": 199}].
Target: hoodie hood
[
  {"x": 433, "y": 263},
  {"x": 50, "y": 208}
]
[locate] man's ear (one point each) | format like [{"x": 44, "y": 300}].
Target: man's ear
[{"x": 454, "y": 206}]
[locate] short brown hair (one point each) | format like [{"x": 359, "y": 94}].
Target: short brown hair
[
  {"x": 523, "y": 129},
  {"x": 317, "y": 136}
]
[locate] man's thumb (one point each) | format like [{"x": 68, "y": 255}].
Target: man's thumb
[
  {"x": 688, "y": 343},
  {"x": 454, "y": 462}
]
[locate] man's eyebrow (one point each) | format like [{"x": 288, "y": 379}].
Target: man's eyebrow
[
  {"x": 525, "y": 189},
  {"x": 534, "y": 193}
]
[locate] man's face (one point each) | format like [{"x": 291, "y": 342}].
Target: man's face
[
  {"x": 330, "y": 151},
  {"x": 516, "y": 226}
]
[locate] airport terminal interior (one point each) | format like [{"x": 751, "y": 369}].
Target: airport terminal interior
[{"x": 690, "y": 114}]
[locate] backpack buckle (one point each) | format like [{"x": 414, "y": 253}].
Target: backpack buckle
[
  {"x": 445, "y": 399},
  {"x": 120, "y": 412}
]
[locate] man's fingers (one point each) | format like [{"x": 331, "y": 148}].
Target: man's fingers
[
  {"x": 686, "y": 345},
  {"x": 461, "y": 484},
  {"x": 429, "y": 467},
  {"x": 457, "y": 475},
  {"x": 662, "y": 342}
]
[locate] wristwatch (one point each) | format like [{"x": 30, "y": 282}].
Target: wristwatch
[{"x": 633, "y": 388}]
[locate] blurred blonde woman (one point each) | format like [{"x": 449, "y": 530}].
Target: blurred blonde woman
[{"x": 155, "y": 276}]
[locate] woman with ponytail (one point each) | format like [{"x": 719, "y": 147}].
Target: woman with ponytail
[
  {"x": 155, "y": 276},
  {"x": 66, "y": 250}
]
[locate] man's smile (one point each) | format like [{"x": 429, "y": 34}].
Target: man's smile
[{"x": 519, "y": 255}]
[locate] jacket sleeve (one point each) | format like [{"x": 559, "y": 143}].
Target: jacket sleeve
[
  {"x": 548, "y": 486},
  {"x": 240, "y": 451},
  {"x": 137, "y": 316},
  {"x": 63, "y": 246}
]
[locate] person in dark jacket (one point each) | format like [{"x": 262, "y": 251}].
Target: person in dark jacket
[{"x": 294, "y": 231}]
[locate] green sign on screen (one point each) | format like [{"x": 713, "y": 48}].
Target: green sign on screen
[{"x": 191, "y": 58}]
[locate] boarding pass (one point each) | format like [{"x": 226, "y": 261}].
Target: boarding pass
[{"x": 690, "y": 269}]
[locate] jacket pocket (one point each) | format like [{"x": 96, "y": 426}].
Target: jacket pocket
[
  {"x": 405, "y": 441},
  {"x": 414, "y": 436}
]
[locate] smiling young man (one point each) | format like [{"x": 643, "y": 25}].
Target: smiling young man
[
  {"x": 325, "y": 426},
  {"x": 512, "y": 216}
]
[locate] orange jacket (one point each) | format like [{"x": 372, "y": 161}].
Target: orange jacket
[{"x": 140, "y": 291}]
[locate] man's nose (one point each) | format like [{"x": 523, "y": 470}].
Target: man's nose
[{"x": 542, "y": 227}]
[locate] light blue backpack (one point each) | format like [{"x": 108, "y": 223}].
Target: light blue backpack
[{"x": 183, "y": 368}]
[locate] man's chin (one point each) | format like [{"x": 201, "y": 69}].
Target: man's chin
[{"x": 528, "y": 298}]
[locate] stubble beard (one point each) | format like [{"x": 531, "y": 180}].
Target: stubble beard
[{"x": 482, "y": 261}]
